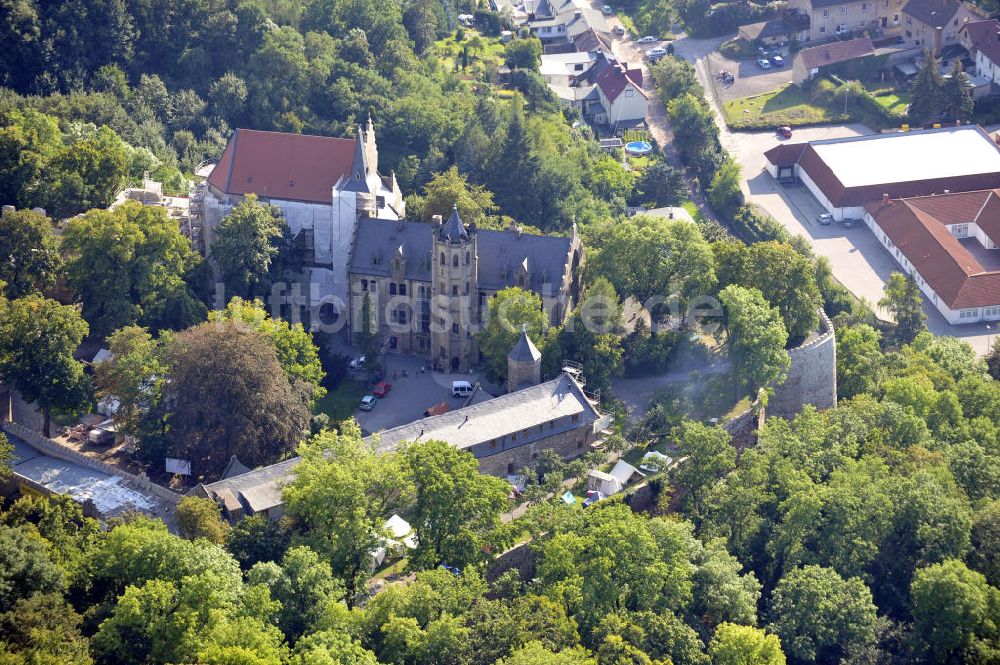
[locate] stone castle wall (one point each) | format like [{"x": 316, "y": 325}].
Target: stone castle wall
[
  {"x": 569, "y": 445},
  {"x": 812, "y": 375}
]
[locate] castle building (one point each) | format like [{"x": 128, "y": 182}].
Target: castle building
[
  {"x": 430, "y": 284},
  {"x": 504, "y": 434},
  {"x": 323, "y": 187}
]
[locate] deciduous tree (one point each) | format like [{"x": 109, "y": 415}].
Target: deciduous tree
[
  {"x": 733, "y": 644},
  {"x": 456, "y": 512},
  {"x": 509, "y": 310},
  {"x": 229, "y": 395},
  {"x": 129, "y": 266},
  {"x": 38, "y": 338},
  {"x": 756, "y": 339},
  {"x": 820, "y": 616},
  {"x": 245, "y": 245},
  {"x": 29, "y": 253},
  {"x": 201, "y": 518},
  {"x": 952, "y": 607},
  {"x": 343, "y": 492},
  {"x": 903, "y": 300}
]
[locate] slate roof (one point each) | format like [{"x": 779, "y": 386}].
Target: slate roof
[
  {"x": 524, "y": 409},
  {"x": 294, "y": 167},
  {"x": 500, "y": 253},
  {"x": 836, "y": 52},
  {"x": 524, "y": 350},
  {"x": 257, "y": 490},
  {"x": 935, "y": 13},
  {"x": 919, "y": 228},
  {"x": 454, "y": 230},
  {"x": 774, "y": 27},
  {"x": 985, "y": 38}
]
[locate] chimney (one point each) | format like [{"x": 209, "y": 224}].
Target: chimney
[
  {"x": 437, "y": 219},
  {"x": 578, "y": 13}
]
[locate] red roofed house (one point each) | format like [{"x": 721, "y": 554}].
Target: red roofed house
[
  {"x": 810, "y": 61},
  {"x": 322, "y": 186},
  {"x": 950, "y": 244},
  {"x": 621, "y": 94}
]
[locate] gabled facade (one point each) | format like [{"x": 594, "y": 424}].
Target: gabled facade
[
  {"x": 982, "y": 40},
  {"x": 935, "y": 24}
]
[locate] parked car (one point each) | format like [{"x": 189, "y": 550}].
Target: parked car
[
  {"x": 381, "y": 389},
  {"x": 655, "y": 54},
  {"x": 763, "y": 51},
  {"x": 368, "y": 402},
  {"x": 777, "y": 61},
  {"x": 825, "y": 219},
  {"x": 357, "y": 363},
  {"x": 607, "y": 10},
  {"x": 648, "y": 39},
  {"x": 763, "y": 63},
  {"x": 461, "y": 388},
  {"x": 849, "y": 223},
  {"x": 618, "y": 30},
  {"x": 784, "y": 132}
]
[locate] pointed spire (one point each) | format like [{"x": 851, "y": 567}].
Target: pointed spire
[
  {"x": 453, "y": 230},
  {"x": 524, "y": 350},
  {"x": 370, "y": 128},
  {"x": 358, "y": 181}
]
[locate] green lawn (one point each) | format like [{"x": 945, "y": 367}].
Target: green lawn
[
  {"x": 340, "y": 403},
  {"x": 785, "y": 106}
]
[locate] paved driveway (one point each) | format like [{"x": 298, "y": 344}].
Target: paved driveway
[{"x": 411, "y": 395}]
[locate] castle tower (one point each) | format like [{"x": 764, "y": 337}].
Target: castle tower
[
  {"x": 524, "y": 363},
  {"x": 454, "y": 289}
]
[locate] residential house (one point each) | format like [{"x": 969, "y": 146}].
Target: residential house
[
  {"x": 829, "y": 19},
  {"x": 935, "y": 24},
  {"x": 563, "y": 21},
  {"x": 812, "y": 61},
  {"x": 605, "y": 91},
  {"x": 982, "y": 40}
]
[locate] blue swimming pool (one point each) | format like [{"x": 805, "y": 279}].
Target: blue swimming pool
[{"x": 638, "y": 148}]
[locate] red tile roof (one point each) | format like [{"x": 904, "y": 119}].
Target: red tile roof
[
  {"x": 918, "y": 227},
  {"x": 834, "y": 52},
  {"x": 294, "y": 167},
  {"x": 615, "y": 78}
]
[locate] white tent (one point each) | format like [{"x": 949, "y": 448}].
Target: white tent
[{"x": 397, "y": 526}]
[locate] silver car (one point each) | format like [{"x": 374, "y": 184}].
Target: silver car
[{"x": 825, "y": 219}]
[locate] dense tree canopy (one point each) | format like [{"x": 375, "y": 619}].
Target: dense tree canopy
[{"x": 131, "y": 266}]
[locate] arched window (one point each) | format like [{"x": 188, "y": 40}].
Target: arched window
[
  {"x": 454, "y": 261},
  {"x": 444, "y": 261},
  {"x": 468, "y": 258}
]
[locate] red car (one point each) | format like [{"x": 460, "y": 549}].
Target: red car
[{"x": 381, "y": 389}]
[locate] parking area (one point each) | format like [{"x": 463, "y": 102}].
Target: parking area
[
  {"x": 413, "y": 392},
  {"x": 748, "y": 77}
]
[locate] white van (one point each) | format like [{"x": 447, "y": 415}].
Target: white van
[{"x": 461, "y": 388}]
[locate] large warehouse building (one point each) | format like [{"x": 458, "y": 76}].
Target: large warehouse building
[
  {"x": 949, "y": 244},
  {"x": 845, "y": 174}
]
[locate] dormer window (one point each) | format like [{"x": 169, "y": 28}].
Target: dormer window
[{"x": 357, "y": 175}]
